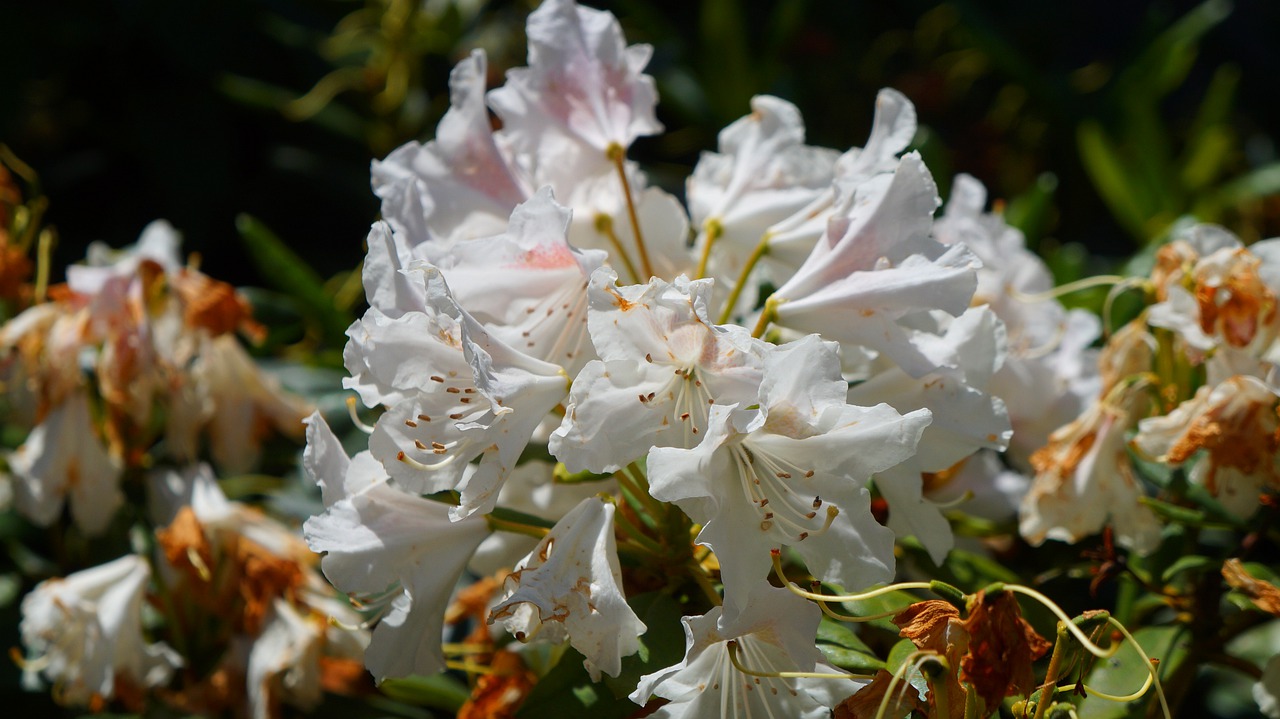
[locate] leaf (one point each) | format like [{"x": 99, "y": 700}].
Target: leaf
[
  {"x": 844, "y": 649},
  {"x": 1125, "y": 672},
  {"x": 439, "y": 691},
  {"x": 1193, "y": 563},
  {"x": 661, "y": 646},
  {"x": 1106, "y": 168},
  {"x": 284, "y": 269}
]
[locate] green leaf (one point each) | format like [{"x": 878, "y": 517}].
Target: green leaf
[
  {"x": 842, "y": 647},
  {"x": 1193, "y": 563},
  {"x": 1107, "y": 168},
  {"x": 284, "y": 269},
  {"x": 439, "y": 691},
  {"x": 1125, "y": 672}
]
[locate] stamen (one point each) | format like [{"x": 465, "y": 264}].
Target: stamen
[
  {"x": 355, "y": 418},
  {"x": 732, "y": 647}
]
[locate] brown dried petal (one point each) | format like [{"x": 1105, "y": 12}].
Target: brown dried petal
[
  {"x": 1264, "y": 595},
  {"x": 865, "y": 704},
  {"x": 1002, "y": 647}
]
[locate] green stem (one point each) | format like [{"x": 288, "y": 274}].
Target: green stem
[{"x": 761, "y": 249}]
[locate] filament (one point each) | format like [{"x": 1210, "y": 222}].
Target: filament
[{"x": 355, "y": 418}]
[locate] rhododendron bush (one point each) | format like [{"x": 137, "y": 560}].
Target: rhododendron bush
[{"x": 808, "y": 440}]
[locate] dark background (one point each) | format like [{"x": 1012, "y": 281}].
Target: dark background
[{"x": 132, "y": 110}]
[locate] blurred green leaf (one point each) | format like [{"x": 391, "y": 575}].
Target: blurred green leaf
[
  {"x": 440, "y": 691},
  {"x": 661, "y": 646},
  {"x": 844, "y": 649},
  {"x": 1125, "y": 672},
  {"x": 284, "y": 269}
]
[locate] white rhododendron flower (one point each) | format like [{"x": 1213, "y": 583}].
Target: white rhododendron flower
[
  {"x": 662, "y": 365},
  {"x": 570, "y": 586},
  {"x": 83, "y": 632},
  {"x": 374, "y": 537},
  {"x": 62, "y": 460},
  {"x": 792, "y": 472},
  {"x": 1083, "y": 480},
  {"x": 1235, "y": 425},
  {"x": 774, "y": 634}
]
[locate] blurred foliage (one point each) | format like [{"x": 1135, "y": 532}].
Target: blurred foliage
[{"x": 1100, "y": 124}]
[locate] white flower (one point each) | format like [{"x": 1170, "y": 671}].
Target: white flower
[
  {"x": 284, "y": 663},
  {"x": 531, "y": 489},
  {"x": 63, "y": 459},
  {"x": 662, "y": 365},
  {"x": 1235, "y": 424},
  {"x": 583, "y": 89},
  {"x": 84, "y": 631},
  {"x": 528, "y": 287},
  {"x": 1084, "y": 479},
  {"x": 794, "y": 472},
  {"x": 1267, "y": 690},
  {"x": 374, "y": 537},
  {"x": 875, "y": 264},
  {"x": 246, "y": 402},
  {"x": 775, "y": 634},
  {"x": 462, "y": 184},
  {"x": 466, "y": 395},
  {"x": 570, "y": 586}
]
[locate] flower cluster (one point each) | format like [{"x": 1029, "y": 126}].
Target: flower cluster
[
  {"x": 711, "y": 387},
  {"x": 135, "y": 347}
]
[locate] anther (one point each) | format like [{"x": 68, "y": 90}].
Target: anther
[
  {"x": 418, "y": 443},
  {"x": 437, "y": 378},
  {"x": 453, "y": 390},
  {"x": 424, "y": 418},
  {"x": 410, "y": 423}
]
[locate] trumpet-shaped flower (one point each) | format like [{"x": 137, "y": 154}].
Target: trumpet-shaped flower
[
  {"x": 662, "y": 365},
  {"x": 875, "y": 264},
  {"x": 1235, "y": 425},
  {"x": 583, "y": 92},
  {"x": 791, "y": 472},
  {"x": 461, "y": 185},
  {"x": 468, "y": 395},
  {"x": 63, "y": 459},
  {"x": 570, "y": 586},
  {"x": 376, "y": 537},
  {"x": 84, "y": 632},
  {"x": 774, "y": 635},
  {"x": 1083, "y": 479}
]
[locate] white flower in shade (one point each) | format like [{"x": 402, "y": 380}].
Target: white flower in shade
[
  {"x": 793, "y": 472},
  {"x": 1084, "y": 480},
  {"x": 876, "y": 264},
  {"x": 284, "y": 663},
  {"x": 775, "y": 634},
  {"x": 468, "y": 395},
  {"x": 1050, "y": 374},
  {"x": 662, "y": 365},
  {"x": 583, "y": 92},
  {"x": 246, "y": 403},
  {"x": 461, "y": 185},
  {"x": 570, "y": 586},
  {"x": 84, "y": 632},
  {"x": 1236, "y": 426},
  {"x": 1267, "y": 690},
  {"x": 63, "y": 460},
  {"x": 376, "y": 537}
]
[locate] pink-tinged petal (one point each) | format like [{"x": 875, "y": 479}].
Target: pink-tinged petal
[
  {"x": 460, "y": 186},
  {"x": 582, "y": 82}
]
